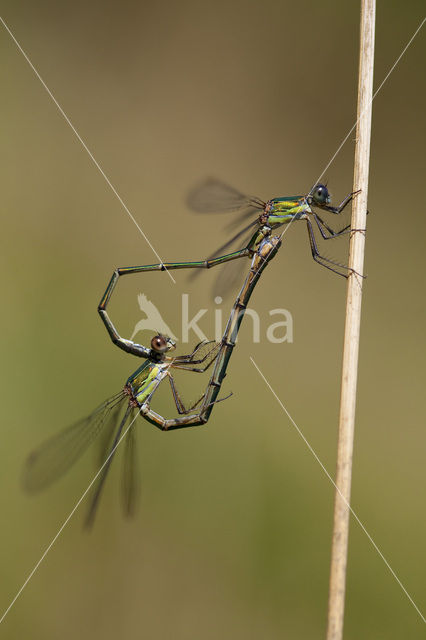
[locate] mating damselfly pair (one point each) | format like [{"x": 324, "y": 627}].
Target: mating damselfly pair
[{"x": 118, "y": 414}]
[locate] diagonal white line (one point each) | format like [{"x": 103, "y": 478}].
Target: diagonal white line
[
  {"x": 374, "y": 95},
  {"x": 286, "y": 228},
  {"x": 64, "y": 524},
  {"x": 312, "y": 450},
  {"x": 86, "y": 148}
]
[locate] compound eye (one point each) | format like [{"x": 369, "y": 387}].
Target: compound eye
[
  {"x": 321, "y": 194},
  {"x": 158, "y": 343}
]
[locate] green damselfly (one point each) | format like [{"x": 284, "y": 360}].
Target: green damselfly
[
  {"x": 265, "y": 250},
  {"x": 56, "y": 456},
  {"x": 261, "y": 248},
  {"x": 53, "y": 458},
  {"x": 214, "y": 196}
]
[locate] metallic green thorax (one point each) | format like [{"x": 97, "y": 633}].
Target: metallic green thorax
[
  {"x": 145, "y": 380},
  {"x": 284, "y": 210},
  {"x": 279, "y": 211}
]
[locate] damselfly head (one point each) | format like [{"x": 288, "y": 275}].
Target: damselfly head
[
  {"x": 162, "y": 344},
  {"x": 320, "y": 195}
]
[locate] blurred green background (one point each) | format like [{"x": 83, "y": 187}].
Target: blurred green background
[{"x": 232, "y": 537}]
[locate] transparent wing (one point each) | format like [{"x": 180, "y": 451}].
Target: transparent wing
[
  {"x": 214, "y": 196},
  {"x": 55, "y": 456},
  {"x": 131, "y": 476},
  {"x": 106, "y": 467},
  {"x": 231, "y": 273},
  {"x": 228, "y": 244},
  {"x": 230, "y": 278},
  {"x": 107, "y": 436}
]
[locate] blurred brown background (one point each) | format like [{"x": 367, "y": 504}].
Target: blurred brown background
[{"x": 232, "y": 537}]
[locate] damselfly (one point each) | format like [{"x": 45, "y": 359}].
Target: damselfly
[
  {"x": 53, "y": 458},
  {"x": 58, "y": 454},
  {"x": 265, "y": 250},
  {"x": 214, "y": 196}
]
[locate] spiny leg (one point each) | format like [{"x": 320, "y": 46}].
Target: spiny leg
[
  {"x": 323, "y": 225},
  {"x": 182, "y": 363},
  {"x": 190, "y": 357},
  {"x": 342, "y": 205},
  {"x": 184, "y": 420},
  {"x": 184, "y": 367},
  {"x": 321, "y": 259},
  {"x": 178, "y": 400}
]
